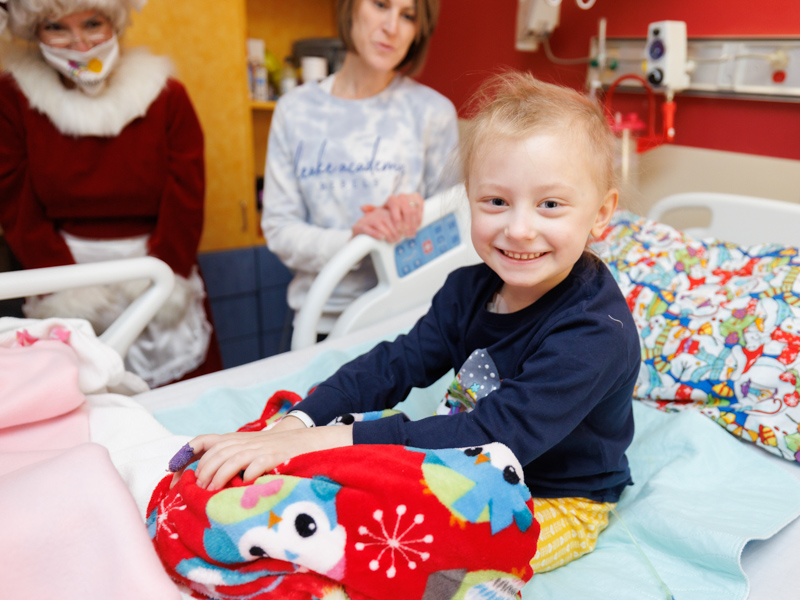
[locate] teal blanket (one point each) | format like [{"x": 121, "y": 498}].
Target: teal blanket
[{"x": 699, "y": 496}]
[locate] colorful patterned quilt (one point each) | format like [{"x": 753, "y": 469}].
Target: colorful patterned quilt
[
  {"x": 719, "y": 324},
  {"x": 371, "y": 522}
]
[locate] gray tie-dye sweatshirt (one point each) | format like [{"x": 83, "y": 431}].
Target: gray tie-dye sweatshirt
[{"x": 328, "y": 156}]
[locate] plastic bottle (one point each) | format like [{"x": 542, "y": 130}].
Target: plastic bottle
[
  {"x": 261, "y": 84},
  {"x": 257, "y": 70},
  {"x": 288, "y": 76}
]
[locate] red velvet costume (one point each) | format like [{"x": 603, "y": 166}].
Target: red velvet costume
[
  {"x": 149, "y": 179},
  {"x": 127, "y": 163}
]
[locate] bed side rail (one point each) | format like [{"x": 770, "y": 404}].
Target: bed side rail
[
  {"x": 127, "y": 327},
  {"x": 409, "y": 272},
  {"x": 744, "y": 220}
]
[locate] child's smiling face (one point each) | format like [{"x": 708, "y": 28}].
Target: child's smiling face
[{"x": 535, "y": 202}]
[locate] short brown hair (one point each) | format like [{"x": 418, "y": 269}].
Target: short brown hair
[
  {"x": 516, "y": 105},
  {"x": 427, "y": 12}
]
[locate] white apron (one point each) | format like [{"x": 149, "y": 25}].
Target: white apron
[{"x": 160, "y": 354}]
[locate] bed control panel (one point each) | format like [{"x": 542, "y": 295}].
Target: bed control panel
[{"x": 430, "y": 242}]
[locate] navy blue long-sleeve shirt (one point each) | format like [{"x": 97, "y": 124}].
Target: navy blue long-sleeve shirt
[{"x": 567, "y": 366}]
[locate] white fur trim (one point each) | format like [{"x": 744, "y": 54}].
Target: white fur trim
[
  {"x": 24, "y": 15},
  {"x": 137, "y": 80},
  {"x": 102, "y": 304},
  {"x": 99, "y": 304}
]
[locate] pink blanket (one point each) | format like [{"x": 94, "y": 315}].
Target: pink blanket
[{"x": 70, "y": 527}]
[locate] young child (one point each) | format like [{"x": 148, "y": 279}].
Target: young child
[{"x": 542, "y": 341}]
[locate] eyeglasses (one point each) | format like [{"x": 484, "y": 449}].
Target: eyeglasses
[{"x": 92, "y": 32}]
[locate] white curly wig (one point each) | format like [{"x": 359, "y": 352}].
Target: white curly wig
[{"x": 24, "y": 16}]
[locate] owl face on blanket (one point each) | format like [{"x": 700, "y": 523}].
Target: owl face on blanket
[
  {"x": 287, "y": 518},
  {"x": 479, "y": 485}
]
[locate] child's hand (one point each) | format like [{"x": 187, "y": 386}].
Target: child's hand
[
  {"x": 258, "y": 452},
  {"x": 187, "y": 454}
]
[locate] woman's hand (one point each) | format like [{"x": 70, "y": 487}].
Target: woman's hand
[
  {"x": 406, "y": 211},
  {"x": 258, "y": 452},
  {"x": 377, "y": 223},
  {"x": 399, "y": 218}
]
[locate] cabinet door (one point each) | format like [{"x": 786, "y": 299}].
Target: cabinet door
[{"x": 205, "y": 39}]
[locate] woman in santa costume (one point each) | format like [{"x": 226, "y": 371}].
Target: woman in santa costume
[{"x": 101, "y": 157}]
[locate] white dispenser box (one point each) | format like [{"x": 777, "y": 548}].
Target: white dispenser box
[{"x": 665, "y": 55}]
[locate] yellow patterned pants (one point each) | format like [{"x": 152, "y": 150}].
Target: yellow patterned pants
[{"x": 569, "y": 529}]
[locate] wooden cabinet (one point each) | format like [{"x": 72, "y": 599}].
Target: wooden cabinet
[
  {"x": 206, "y": 40},
  {"x": 279, "y": 24}
]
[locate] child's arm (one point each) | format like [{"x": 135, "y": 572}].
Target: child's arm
[
  {"x": 374, "y": 381},
  {"x": 574, "y": 388},
  {"x": 384, "y": 376}
]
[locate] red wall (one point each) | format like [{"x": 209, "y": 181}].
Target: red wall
[{"x": 476, "y": 37}]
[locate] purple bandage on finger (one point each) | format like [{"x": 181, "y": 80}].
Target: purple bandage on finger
[{"x": 182, "y": 458}]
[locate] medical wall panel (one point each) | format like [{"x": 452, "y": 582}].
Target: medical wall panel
[{"x": 475, "y": 38}]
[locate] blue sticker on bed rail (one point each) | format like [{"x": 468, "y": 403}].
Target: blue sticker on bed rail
[{"x": 430, "y": 242}]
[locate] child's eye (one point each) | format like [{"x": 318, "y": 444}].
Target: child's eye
[
  {"x": 550, "y": 204},
  {"x": 497, "y": 202}
]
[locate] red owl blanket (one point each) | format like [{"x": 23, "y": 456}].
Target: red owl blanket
[{"x": 369, "y": 522}]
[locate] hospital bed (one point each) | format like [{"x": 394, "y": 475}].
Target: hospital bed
[{"x": 768, "y": 564}]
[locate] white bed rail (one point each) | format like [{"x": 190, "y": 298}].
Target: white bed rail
[
  {"x": 395, "y": 293},
  {"x": 743, "y": 220},
  {"x": 127, "y": 327}
]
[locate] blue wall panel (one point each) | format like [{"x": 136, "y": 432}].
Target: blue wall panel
[
  {"x": 229, "y": 273},
  {"x": 247, "y": 290}
]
